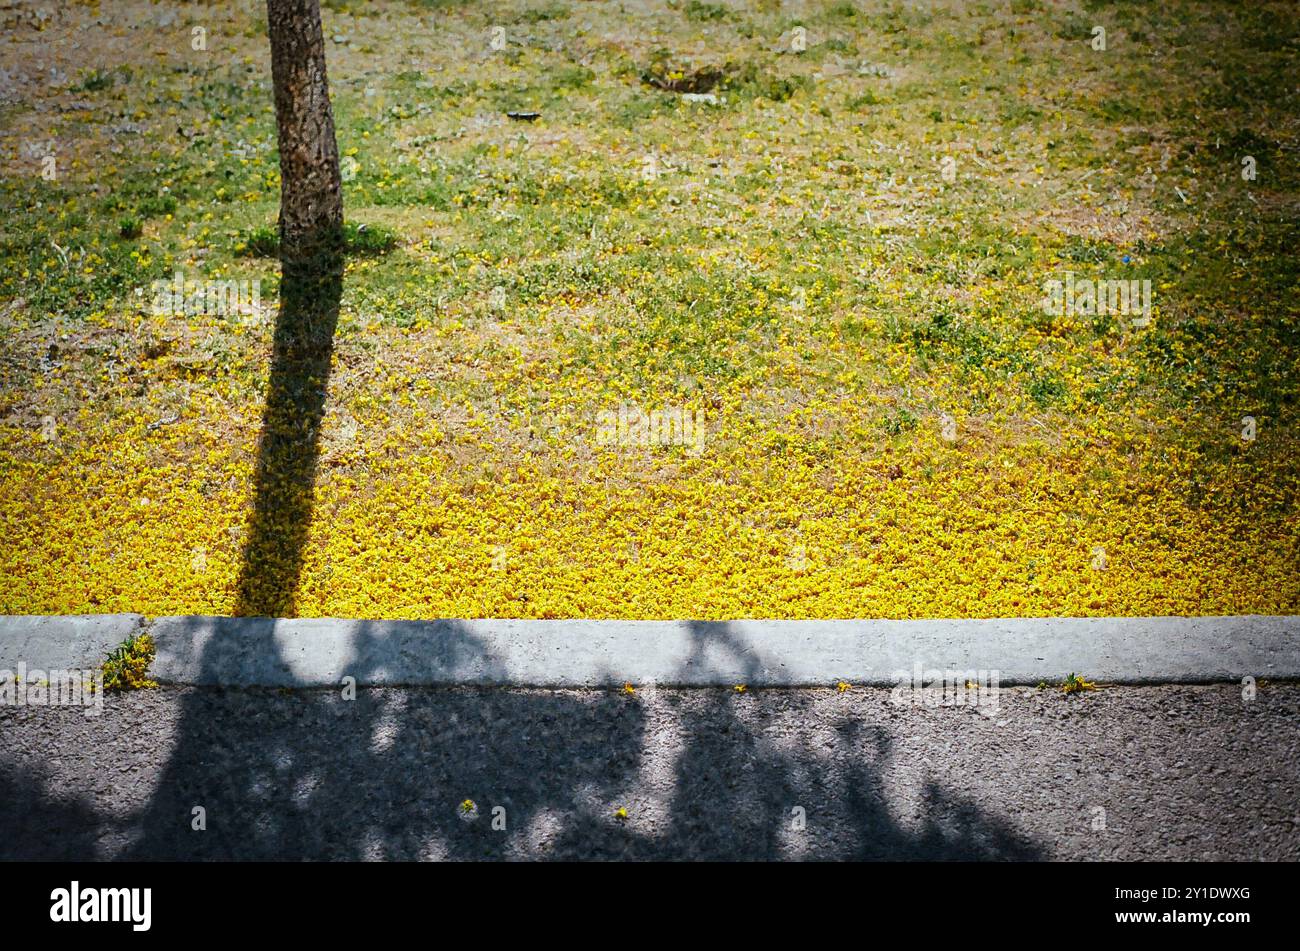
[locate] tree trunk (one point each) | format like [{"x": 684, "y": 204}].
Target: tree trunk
[{"x": 311, "y": 189}]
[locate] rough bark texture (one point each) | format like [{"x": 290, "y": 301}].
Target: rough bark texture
[{"x": 311, "y": 189}]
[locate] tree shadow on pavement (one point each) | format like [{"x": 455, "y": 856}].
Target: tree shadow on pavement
[
  {"x": 704, "y": 773},
  {"x": 39, "y": 821}
]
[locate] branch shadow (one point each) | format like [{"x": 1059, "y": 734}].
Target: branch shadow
[{"x": 706, "y": 773}]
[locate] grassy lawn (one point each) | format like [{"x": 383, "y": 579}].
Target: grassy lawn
[{"x": 823, "y": 230}]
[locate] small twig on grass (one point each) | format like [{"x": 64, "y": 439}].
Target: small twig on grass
[{"x": 165, "y": 421}]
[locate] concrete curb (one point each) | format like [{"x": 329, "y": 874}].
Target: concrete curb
[
  {"x": 308, "y": 652},
  {"x": 64, "y": 642}
]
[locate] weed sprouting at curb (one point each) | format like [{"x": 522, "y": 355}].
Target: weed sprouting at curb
[
  {"x": 1071, "y": 684},
  {"x": 1076, "y": 684},
  {"x": 127, "y": 668}
]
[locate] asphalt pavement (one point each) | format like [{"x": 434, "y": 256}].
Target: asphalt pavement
[{"x": 1181, "y": 772}]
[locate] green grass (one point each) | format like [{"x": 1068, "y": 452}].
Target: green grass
[{"x": 358, "y": 239}]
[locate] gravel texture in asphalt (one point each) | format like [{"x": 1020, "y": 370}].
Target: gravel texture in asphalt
[{"x": 1182, "y": 773}]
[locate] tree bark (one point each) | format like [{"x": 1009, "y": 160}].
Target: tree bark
[{"x": 311, "y": 188}]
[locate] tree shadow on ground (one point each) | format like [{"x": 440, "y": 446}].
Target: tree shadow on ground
[
  {"x": 705, "y": 774},
  {"x": 38, "y": 821},
  {"x": 289, "y": 444}
]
